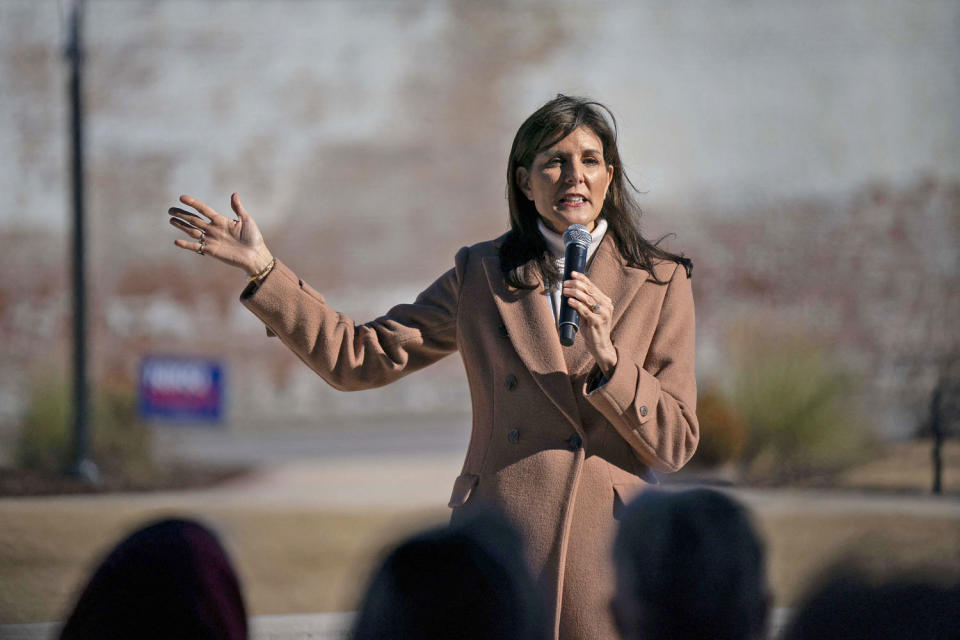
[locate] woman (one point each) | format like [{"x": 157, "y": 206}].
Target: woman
[{"x": 562, "y": 437}]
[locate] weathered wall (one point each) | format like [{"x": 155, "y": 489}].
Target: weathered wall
[{"x": 793, "y": 146}]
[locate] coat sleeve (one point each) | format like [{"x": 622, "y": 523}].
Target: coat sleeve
[
  {"x": 652, "y": 404},
  {"x": 351, "y": 357}
]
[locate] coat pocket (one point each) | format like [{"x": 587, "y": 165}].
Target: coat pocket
[
  {"x": 623, "y": 494},
  {"x": 462, "y": 488}
]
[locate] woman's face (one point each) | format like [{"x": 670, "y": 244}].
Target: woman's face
[{"x": 568, "y": 181}]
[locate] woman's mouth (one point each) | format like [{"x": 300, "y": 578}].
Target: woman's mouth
[{"x": 572, "y": 201}]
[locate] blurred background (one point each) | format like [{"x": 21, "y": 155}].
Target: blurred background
[{"x": 805, "y": 155}]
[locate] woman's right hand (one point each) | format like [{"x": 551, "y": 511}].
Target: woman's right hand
[{"x": 236, "y": 242}]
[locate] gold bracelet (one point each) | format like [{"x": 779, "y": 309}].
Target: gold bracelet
[{"x": 263, "y": 273}]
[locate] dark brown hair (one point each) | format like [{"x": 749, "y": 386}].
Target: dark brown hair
[{"x": 524, "y": 251}]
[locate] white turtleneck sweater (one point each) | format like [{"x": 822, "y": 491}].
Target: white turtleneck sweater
[{"x": 555, "y": 244}]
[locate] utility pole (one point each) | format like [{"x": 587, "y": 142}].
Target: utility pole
[{"x": 81, "y": 466}]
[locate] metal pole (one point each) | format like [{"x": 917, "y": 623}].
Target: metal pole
[
  {"x": 937, "y": 430},
  {"x": 81, "y": 466}
]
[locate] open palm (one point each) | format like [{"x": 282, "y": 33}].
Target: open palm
[{"x": 237, "y": 242}]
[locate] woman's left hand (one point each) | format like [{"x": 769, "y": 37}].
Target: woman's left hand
[{"x": 596, "y": 319}]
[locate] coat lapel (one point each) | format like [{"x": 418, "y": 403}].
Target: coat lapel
[
  {"x": 533, "y": 332},
  {"x": 612, "y": 276}
]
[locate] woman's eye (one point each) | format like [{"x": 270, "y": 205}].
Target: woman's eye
[{"x": 591, "y": 161}]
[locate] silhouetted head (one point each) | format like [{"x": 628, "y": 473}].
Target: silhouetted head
[
  {"x": 689, "y": 566},
  {"x": 464, "y": 582},
  {"x": 170, "y": 579},
  {"x": 847, "y": 604}
]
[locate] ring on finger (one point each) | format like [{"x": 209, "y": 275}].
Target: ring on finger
[
  {"x": 200, "y": 248},
  {"x": 595, "y": 307},
  {"x": 203, "y": 234}
]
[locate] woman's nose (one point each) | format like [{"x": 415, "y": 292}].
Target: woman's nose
[{"x": 574, "y": 173}]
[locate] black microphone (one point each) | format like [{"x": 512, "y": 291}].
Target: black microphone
[{"x": 577, "y": 240}]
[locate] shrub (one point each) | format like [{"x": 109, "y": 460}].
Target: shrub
[
  {"x": 723, "y": 431},
  {"x": 45, "y": 436},
  {"x": 798, "y": 406},
  {"x": 119, "y": 443}
]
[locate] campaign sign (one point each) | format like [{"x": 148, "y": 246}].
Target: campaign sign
[{"x": 181, "y": 388}]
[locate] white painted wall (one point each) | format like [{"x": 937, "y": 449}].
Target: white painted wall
[{"x": 391, "y": 121}]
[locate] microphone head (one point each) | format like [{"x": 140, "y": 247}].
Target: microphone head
[{"x": 577, "y": 234}]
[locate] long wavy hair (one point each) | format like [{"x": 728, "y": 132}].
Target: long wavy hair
[{"x": 524, "y": 253}]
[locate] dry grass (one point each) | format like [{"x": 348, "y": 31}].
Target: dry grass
[
  {"x": 296, "y": 561},
  {"x": 906, "y": 466},
  {"x": 289, "y": 561},
  {"x": 801, "y": 547},
  {"x": 307, "y": 562}
]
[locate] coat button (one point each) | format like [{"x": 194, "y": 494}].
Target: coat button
[
  {"x": 643, "y": 410},
  {"x": 502, "y": 330},
  {"x": 575, "y": 442},
  {"x": 511, "y": 382},
  {"x": 514, "y": 436}
]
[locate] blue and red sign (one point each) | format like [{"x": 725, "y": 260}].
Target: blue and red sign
[{"x": 181, "y": 388}]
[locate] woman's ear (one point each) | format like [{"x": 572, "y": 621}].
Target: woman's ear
[{"x": 523, "y": 181}]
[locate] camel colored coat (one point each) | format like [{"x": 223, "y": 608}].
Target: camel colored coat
[{"x": 558, "y": 455}]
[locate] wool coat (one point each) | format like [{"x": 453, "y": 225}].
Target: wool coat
[{"x": 560, "y": 453}]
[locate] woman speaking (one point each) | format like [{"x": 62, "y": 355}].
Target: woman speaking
[{"x": 562, "y": 436}]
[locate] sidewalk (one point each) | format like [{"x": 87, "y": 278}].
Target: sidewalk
[{"x": 424, "y": 480}]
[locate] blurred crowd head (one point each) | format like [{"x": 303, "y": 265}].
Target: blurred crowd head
[
  {"x": 468, "y": 581},
  {"x": 169, "y": 579},
  {"x": 689, "y": 565},
  {"x": 850, "y": 604}
]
